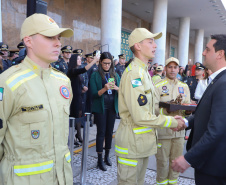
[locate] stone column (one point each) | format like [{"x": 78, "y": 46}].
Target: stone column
[
  {"x": 159, "y": 25},
  {"x": 111, "y": 23},
  {"x": 199, "y": 37},
  {"x": 183, "y": 43}
]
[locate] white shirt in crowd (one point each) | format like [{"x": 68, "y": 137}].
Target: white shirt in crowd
[{"x": 200, "y": 89}]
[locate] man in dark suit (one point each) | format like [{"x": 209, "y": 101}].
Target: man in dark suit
[{"x": 208, "y": 140}]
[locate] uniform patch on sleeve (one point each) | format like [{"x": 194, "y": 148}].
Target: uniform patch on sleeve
[
  {"x": 64, "y": 91},
  {"x": 142, "y": 100},
  {"x": 181, "y": 90},
  {"x": 1, "y": 93},
  {"x": 136, "y": 82},
  {"x": 1, "y": 124}
]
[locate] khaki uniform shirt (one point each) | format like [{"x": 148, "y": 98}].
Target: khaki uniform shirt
[
  {"x": 166, "y": 90},
  {"x": 136, "y": 134},
  {"x": 156, "y": 78},
  {"x": 34, "y": 111}
]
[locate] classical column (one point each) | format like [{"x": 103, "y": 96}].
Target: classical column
[
  {"x": 199, "y": 37},
  {"x": 183, "y": 43},
  {"x": 111, "y": 21},
  {"x": 159, "y": 25}
]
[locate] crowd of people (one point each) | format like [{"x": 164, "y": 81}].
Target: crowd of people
[{"x": 52, "y": 83}]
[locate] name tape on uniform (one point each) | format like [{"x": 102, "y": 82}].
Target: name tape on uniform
[{"x": 33, "y": 108}]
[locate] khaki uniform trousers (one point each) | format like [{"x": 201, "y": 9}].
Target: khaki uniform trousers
[
  {"x": 132, "y": 175},
  {"x": 168, "y": 150}
]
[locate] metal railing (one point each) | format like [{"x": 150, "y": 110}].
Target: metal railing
[{"x": 86, "y": 126}]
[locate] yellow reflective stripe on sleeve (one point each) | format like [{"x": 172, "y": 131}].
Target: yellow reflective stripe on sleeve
[
  {"x": 163, "y": 182},
  {"x": 121, "y": 150},
  {"x": 59, "y": 76},
  {"x": 68, "y": 157},
  {"x": 159, "y": 145},
  {"x": 32, "y": 169},
  {"x": 127, "y": 162},
  {"x": 161, "y": 111},
  {"x": 161, "y": 83},
  {"x": 129, "y": 68},
  {"x": 168, "y": 121},
  {"x": 173, "y": 181},
  {"x": 142, "y": 130},
  {"x": 18, "y": 79},
  {"x": 183, "y": 84},
  {"x": 141, "y": 72}
]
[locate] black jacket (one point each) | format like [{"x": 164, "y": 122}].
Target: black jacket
[
  {"x": 76, "y": 84},
  {"x": 208, "y": 136}
]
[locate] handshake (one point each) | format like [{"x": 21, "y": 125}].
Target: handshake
[{"x": 181, "y": 124}]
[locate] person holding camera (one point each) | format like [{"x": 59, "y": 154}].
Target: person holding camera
[
  {"x": 104, "y": 88},
  {"x": 74, "y": 72}
]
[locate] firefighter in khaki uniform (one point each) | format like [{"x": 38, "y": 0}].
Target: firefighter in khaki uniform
[
  {"x": 34, "y": 110},
  {"x": 170, "y": 143},
  {"x": 135, "y": 138}
]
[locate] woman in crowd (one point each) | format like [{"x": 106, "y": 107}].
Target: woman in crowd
[
  {"x": 73, "y": 73},
  {"x": 181, "y": 75},
  {"x": 202, "y": 85},
  {"x": 104, "y": 87},
  {"x": 151, "y": 71}
]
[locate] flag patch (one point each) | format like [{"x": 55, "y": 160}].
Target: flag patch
[{"x": 136, "y": 82}]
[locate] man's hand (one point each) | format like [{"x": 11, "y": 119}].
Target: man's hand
[
  {"x": 180, "y": 164},
  {"x": 181, "y": 125}
]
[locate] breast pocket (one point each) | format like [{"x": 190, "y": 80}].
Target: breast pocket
[{"x": 33, "y": 127}]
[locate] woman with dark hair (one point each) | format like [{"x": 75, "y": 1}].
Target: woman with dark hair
[
  {"x": 104, "y": 87},
  {"x": 73, "y": 73},
  {"x": 180, "y": 75}
]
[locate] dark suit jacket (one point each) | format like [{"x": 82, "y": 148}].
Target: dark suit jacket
[{"x": 208, "y": 149}]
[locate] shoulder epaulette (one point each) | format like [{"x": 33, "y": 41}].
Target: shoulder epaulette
[
  {"x": 180, "y": 82},
  {"x": 161, "y": 83},
  {"x": 58, "y": 74},
  {"x": 129, "y": 68}
]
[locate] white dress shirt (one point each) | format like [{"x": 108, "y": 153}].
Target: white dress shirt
[
  {"x": 200, "y": 89},
  {"x": 212, "y": 76}
]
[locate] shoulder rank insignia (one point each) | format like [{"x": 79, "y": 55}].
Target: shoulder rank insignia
[
  {"x": 35, "y": 134},
  {"x": 64, "y": 92},
  {"x": 136, "y": 82},
  {"x": 142, "y": 100}
]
